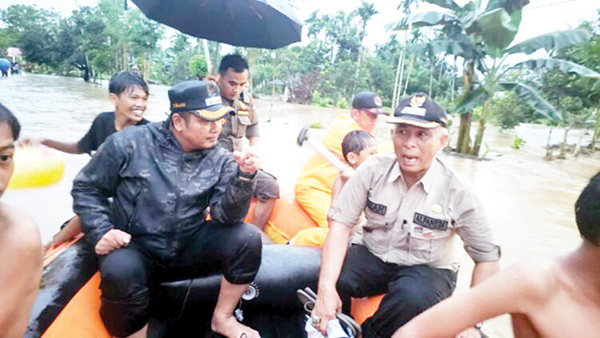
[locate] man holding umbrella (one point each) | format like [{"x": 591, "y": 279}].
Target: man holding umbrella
[{"x": 232, "y": 80}]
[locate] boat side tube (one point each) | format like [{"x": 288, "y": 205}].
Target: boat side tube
[{"x": 61, "y": 280}]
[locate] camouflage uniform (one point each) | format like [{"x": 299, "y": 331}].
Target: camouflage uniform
[{"x": 160, "y": 195}]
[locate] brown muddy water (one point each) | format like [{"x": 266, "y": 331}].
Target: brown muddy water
[{"x": 529, "y": 200}]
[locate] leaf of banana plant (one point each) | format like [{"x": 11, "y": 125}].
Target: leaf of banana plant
[
  {"x": 497, "y": 29},
  {"x": 474, "y": 99},
  {"x": 551, "y": 41},
  {"x": 448, "y": 4},
  {"x": 421, "y": 19},
  {"x": 564, "y": 66},
  {"x": 509, "y": 5},
  {"x": 533, "y": 99}
]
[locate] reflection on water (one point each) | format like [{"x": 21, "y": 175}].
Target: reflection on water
[{"x": 529, "y": 201}]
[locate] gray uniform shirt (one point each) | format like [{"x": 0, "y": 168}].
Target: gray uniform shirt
[{"x": 417, "y": 225}]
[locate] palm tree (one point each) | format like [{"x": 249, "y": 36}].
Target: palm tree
[
  {"x": 481, "y": 36},
  {"x": 366, "y": 13}
]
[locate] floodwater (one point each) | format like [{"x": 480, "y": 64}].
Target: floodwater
[{"x": 529, "y": 200}]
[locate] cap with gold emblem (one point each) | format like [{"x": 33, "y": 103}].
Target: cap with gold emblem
[
  {"x": 201, "y": 98},
  {"x": 421, "y": 111}
]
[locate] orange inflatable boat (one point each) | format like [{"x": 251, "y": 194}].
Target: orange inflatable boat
[{"x": 68, "y": 302}]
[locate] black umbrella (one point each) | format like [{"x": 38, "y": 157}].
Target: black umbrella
[{"x": 245, "y": 23}]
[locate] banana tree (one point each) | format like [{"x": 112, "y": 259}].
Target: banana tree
[{"x": 481, "y": 36}]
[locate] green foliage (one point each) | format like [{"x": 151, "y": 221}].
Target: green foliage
[
  {"x": 534, "y": 100},
  {"x": 488, "y": 31},
  {"x": 497, "y": 29},
  {"x": 518, "y": 142},
  {"x": 551, "y": 41},
  {"x": 487, "y": 150},
  {"x": 176, "y": 61},
  {"x": 509, "y": 111},
  {"x": 319, "y": 100},
  {"x": 8, "y": 38},
  {"x": 332, "y": 64},
  {"x": 198, "y": 66},
  {"x": 343, "y": 103}
]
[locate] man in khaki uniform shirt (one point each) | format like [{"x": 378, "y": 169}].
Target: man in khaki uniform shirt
[
  {"x": 232, "y": 80},
  {"x": 415, "y": 206}
]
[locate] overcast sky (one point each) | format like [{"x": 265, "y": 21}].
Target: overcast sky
[{"x": 540, "y": 16}]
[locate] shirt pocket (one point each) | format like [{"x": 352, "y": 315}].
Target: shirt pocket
[
  {"x": 239, "y": 125},
  {"x": 377, "y": 215},
  {"x": 376, "y": 222},
  {"x": 427, "y": 242}
]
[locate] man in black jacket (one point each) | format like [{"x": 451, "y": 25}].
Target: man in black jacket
[{"x": 162, "y": 177}]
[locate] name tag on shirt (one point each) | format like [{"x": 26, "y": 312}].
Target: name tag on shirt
[
  {"x": 430, "y": 222},
  {"x": 379, "y": 209}
]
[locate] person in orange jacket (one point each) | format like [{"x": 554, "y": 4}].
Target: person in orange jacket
[
  {"x": 313, "y": 186},
  {"x": 357, "y": 147}
]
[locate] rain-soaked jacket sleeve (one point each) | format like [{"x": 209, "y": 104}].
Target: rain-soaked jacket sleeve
[
  {"x": 231, "y": 198},
  {"x": 92, "y": 188}
]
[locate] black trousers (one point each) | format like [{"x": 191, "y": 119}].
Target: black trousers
[
  {"x": 409, "y": 290},
  {"x": 128, "y": 274}
]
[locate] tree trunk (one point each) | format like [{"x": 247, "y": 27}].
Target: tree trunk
[
  {"x": 209, "y": 67},
  {"x": 596, "y": 131},
  {"x": 430, "y": 78},
  {"x": 481, "y": 129},
  {"x": 464, "y": 130},
  {"x": 464, "y": 134},
  {"x": 453, "y": 80},
  {"x": 146, "y": 64},
  {"x": 88, "y": 73},
  {"x": 563, "y": 146},
  {"x": 577, "y": 148},
  {"x": 357, "y": 69},
  {"x": 398, "y": 83},
  {"x": 549, "y": 155},
  {"x": 410, "y": 66}
]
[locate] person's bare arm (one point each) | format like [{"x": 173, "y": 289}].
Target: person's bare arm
[
  {"x": 20, "y": 270},
  {"x": 510, "y": 291},
  {"x": 67, "y": 147},
  {"x": 253, "y": 141},
  {"x": 483, "y": 271},
  {"x": 337, "y": 186},
  {"x": 328, "y": 301}
]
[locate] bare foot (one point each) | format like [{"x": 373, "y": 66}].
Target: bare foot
[{"x": 231, "y": 328}]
